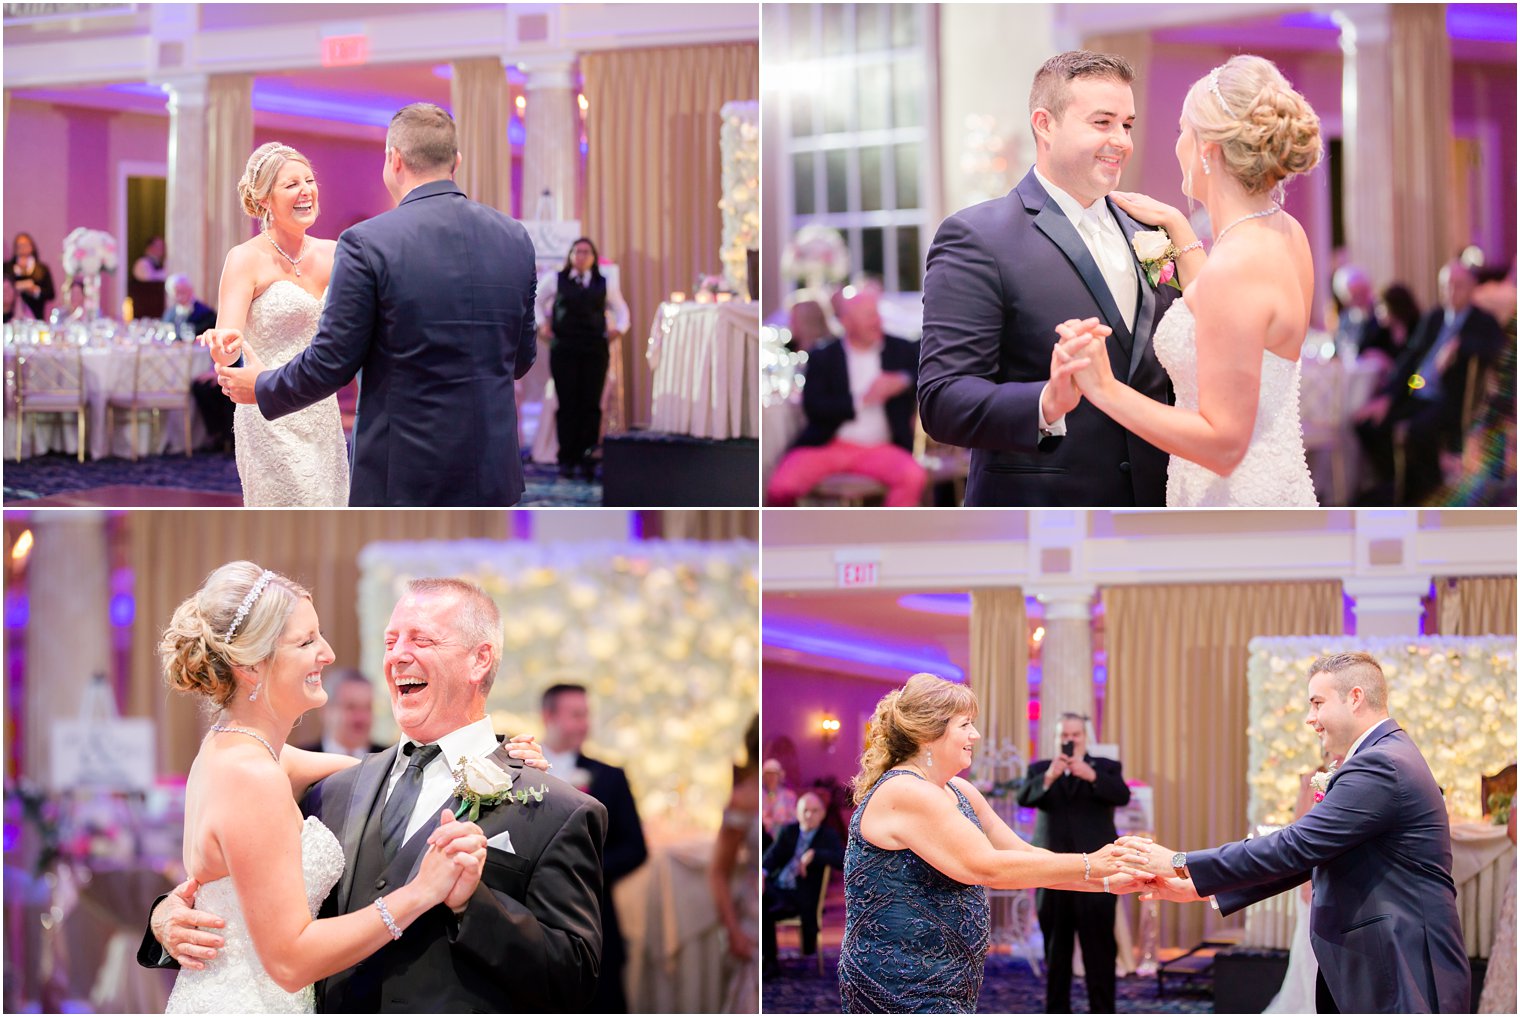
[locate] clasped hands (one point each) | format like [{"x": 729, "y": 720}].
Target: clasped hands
[
  {"x": 1079, "y": 366},
  {"x": 1147, "y": 856},
  {"x": 237, "y": 383}
]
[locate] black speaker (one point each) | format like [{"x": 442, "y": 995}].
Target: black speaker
[
  {"x": 652, "y": 469},
  {"x": 1245, "y": 979}
]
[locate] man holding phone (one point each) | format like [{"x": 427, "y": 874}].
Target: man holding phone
[{"x": 1076, "y": 795}]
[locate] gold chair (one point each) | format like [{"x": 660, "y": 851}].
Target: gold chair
[
  {"x": 823, "y": 895},
  {"x": 50, "y": 380},
  {"x": 160, "y": 381}
]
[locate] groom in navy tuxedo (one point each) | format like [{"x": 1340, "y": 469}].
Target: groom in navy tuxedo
[
  {"x": 1384, "y": 922},
  {"x": 431, "y": 304},
  {"x": 1003, "y": 274}
]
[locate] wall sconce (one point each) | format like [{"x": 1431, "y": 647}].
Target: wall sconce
[{"x": 828, "y": 730}]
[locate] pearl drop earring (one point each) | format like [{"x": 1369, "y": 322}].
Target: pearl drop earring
[
  {"x": 929, "y": 756},
  {"x": 254, "y": 695},
  {"x": 1205, "y": 164}
]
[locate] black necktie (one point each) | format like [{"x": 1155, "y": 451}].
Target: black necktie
[{"x": 403, "y": 799}]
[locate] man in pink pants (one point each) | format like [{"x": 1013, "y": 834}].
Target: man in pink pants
[{"x": 859, "y": 401}]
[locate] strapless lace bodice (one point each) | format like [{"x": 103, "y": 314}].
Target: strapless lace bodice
[
  {"x": 1274, "y": 471},
  {"x": 235, "y": 982},
  {"x": 301, "y": 458}
]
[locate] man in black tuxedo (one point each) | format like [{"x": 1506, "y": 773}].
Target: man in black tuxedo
[
  {"x": 184, "y": 308},
  {"x": 433, "y": 301},
  {"x": 859, "y": 404},
  {"x": 1434, "y": 383},
  {"x": 1358, "y": 329},
  {"x": 793, "y": 867},
  {"x": 1076, "y": 795},
  {"x": 528, "y": 938},
  {"x": 348, "y": 717},
  {"x": 1384, "y": 924},
  {"x": 1003, "y": 274},
  {"x": 567, "y": 721},
  {"x": 190, "y": 317}
]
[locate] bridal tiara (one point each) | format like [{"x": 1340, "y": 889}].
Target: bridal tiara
[
  {"x": 1214, "y": 87},
  {"x": 247, "y": 604},
  {"x": 279, "y": 149}
]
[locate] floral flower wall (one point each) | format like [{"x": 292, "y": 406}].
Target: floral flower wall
[
  {"x": 739, "y": 141},
  {"x": 664, "y": 635},
  {"x": 1455, "y": 697}
]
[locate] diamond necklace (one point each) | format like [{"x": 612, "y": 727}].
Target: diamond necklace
[
  {"x": 296, "y": 262},
  {"x": 244, "y": 730},
  {"x": 1254, "y": 215}
]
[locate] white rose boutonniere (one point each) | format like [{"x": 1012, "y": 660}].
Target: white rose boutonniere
[
  {"x": 480, "y": 782},
  {"x": 1320, "y": 783},
  {"x": 1157, "y": 256}
]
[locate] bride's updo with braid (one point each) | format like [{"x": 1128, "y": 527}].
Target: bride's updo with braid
[
  {"x": 197, "y": 655},
  {"x": 259, "y": 174},
  {"x": 1266, "y": 131},
  {"x": 905, "y": 720}
]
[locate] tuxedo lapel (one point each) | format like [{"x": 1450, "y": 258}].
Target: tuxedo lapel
[
  {"x": 363, "y": 804},
  {"x": 1146, "y": 311},
  {"x": 1052, "y": 222},
  {"x": 1369, "y": 743},
  {"x": 408, "y": 860}
]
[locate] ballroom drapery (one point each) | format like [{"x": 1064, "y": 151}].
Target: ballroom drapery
[
  {"x": 1177, "y": 702},
  {"x": 1419, "y": 49},
  {"x": 229, "y": 142},
  {"x": 1474, "y": 606},
  {"x": 654, "y": 177},
  {"x": 478, "y": 94},
  {"x": 172, "y": 553},
  {"x": 712, "y": 524},
  {"x": 999, "y": 664}
]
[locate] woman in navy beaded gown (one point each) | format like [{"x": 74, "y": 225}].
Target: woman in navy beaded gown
[{"x": 924, "y": 846}]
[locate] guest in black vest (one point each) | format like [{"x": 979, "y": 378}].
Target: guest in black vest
[
  {"x": 30, "y": 277},
  {"x": 573, "y": 308}
]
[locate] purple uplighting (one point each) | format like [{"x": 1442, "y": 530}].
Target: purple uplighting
[
  {"x": 123, "y": 608},
  {"x": 17, "y": 611},
  {"x": 874, "y": 653},
  {"x": 937, "y": 603}
]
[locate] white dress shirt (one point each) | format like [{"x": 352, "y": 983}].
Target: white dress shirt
[
  {"x": 548, "y": 289},
  {"x": 870, "y": 427},
  {"x": 331, "y": 746},
  {"x": 475, "y": 739},
  {"x": 1365, "y": 734}
]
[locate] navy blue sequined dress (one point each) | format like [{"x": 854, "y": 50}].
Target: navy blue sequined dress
[{"x": 915, "y": 940}]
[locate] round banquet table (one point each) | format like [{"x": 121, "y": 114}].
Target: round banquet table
[{"x": 705, "y": 358}]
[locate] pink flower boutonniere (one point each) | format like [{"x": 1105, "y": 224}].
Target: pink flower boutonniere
[
  {"x": 1320, "y": 783},
  {"x": 1158, "y": 257}
]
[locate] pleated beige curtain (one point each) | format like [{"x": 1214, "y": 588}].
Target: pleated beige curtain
[
  {"x": 712, "y": 524},
  {"x": 1177, "y": 702},
  {"x": 1475, "y": 606},
  {"x": 1000, "y": 665},
  {"x": 1136, "y": 47},
  {"x": 653, "y": 173},
  {"x": 229, "y": 143},
  {"x": 482, "y": 106},
  {"x": 1419, "y": 51},
  {"x": 173, "y": 552}
]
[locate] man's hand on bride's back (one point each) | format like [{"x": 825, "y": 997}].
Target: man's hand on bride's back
[{"x": 182, "y": 930}]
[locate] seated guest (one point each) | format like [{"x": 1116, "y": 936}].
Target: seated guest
[
  {"x": 1358, "y": 330},
  {"x": 145, "y": 285},
  {"x": 780, "y": 803},
  {"x": 1432, "y": 388},
  {"x": 859, "y": 401},
  {"x": 348, "y": 718},
  {"x": 1398, "y": 312},
  {"x": 808, "y": 321},
  {"x": 183, "y": 309},
  {"x": 1485, "y": 473},
  {"x": 793, "y": 867},
  {"x": 566, "y": 714},
  {"x": 31, "y": 278},
  {"x": 11, "y": 303}
]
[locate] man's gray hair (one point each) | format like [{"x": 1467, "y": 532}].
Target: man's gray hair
[
  {"x": 1354, "y": 669},
  {"x": 174, "y": 280},
  {"x": 424, "y": 134},
  {"x": 478, "y": 620}
]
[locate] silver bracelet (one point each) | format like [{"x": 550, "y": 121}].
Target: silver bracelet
[
  {"x": 1105, "y": 885},
  {"x": 385, "y": 916},
  {"x": 1086, "y": 868},
  {"x": 1190, "y": 247}
]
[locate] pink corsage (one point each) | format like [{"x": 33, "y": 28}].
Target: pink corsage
[{"x": 1320, "y": 784}]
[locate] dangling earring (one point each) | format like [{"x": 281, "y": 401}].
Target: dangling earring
[
  {"x": 267, "y": 217},
  {"x": 254, "y": 695},
  {"x": 1205, "y": 164},
  {"x": 929, "y": 756}
]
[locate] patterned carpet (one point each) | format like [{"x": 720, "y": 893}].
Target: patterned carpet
[
  {"x": 1009, "y": 987},
  {"x": 215, "y": 475}
]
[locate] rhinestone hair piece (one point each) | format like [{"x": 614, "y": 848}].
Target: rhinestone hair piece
[
  {"x": 248, "y": 602},
  {"x": 1214, "y": 87},
  {"x": 277, "y": 150}
]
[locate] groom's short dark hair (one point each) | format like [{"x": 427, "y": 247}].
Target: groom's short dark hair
[
  {"x": 1052, "y": 82},
  {"x": 424, "y": 135}
]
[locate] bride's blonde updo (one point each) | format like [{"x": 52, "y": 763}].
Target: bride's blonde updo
[
  {"x": 1266, "y": 131},
  {"x": 905, "y": 720},
  {"x": 258, "y": 176},
  {"x": 197, "y": 655}
]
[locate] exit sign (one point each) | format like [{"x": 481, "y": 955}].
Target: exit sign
[
  {"x": 857, "y": 573},
  {"x": 344, "y": 50}
]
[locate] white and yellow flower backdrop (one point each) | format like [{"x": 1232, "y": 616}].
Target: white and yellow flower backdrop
[
  {"x": 664, "y": 635},
  {"x": 1455, "y": 697}
]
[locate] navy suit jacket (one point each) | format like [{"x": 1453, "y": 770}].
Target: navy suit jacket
[
  {"x": 826, "y": 398},
  {"x": 1001, "y": 276},
  {"x": 624, "y": 852},
  {"x": 433, "y": 303},
  {"x": 1384, "y": 922}
]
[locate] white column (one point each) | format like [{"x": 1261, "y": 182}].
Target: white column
[
  {"x": 1366, "y": 137},
  {"x": 1388, "y": 605},
  {"x": 1066, "y": 672},
  {"x": 68, "y": 640},
  {"x": 185, "y": 226},
  {"x": 551, "y": 148}
]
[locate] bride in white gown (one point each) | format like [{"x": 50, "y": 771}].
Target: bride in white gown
[
  {"x": 1231, "y": 344},
  {"x": 249, "y": 642},
  {"x": 272, "y": 292}
]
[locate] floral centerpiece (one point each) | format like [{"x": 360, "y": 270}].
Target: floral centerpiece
[
  {"x": 739, "y": 142},
  {"x": 86, "y": 254},
  {"x": 816, "y": 257}
]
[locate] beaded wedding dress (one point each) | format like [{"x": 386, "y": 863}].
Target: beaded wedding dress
[
  {"x": 1274, "y": 471},
  {"x": 301, "y": 458},
  {"x": 235, "y": 982}
]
